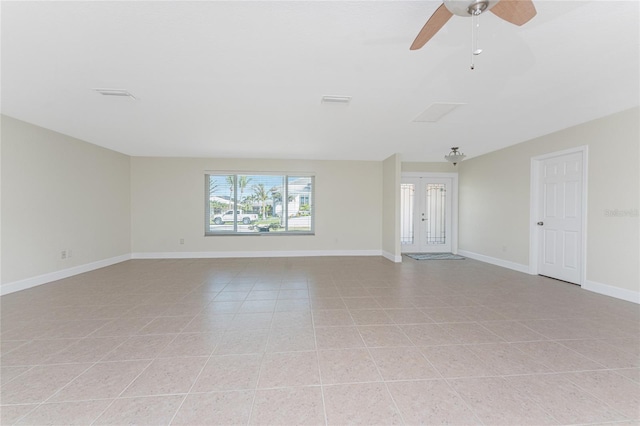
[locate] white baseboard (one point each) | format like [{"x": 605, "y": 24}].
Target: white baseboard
[
  {"x": 392, "y": 257},
  {"x": 609, "y": 290},
  {"x": 495, "y": 261},
  {"x": 242, "y": 254},
  {"x": 58, "y": 275},
  {"x": 69, "y": 272},
  {"x": 605, "y": 289}
]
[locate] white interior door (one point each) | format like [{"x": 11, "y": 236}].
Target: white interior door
[
  {"x": 560, "y": 217},
  {"x": 426, "y": 211}
]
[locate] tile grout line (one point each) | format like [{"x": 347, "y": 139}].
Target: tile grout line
[
  {"x": 379, "y": 372},
  {"x": 615, "y": 410},
  {"x": 464, "y": 401},
  {"x": 121, "y": 392},
  {"x": 189, "y": 392},
  {"x": 59, "y": 389},
  {"x": 29, "y": 368},
  {"x": 194, "y": 382},
  {"x": 315, "y": 340},
  {"x": 246, "y": 274},
  {"x": 255, "y": 390}
]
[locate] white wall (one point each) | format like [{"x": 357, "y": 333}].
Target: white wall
[
  {"x": 168, "y": 204},
  {"x": 495, "y": 199},
  {"x": 59, "y": 193}
]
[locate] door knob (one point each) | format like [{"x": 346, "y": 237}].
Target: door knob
[{"x": 540, "y": 223}]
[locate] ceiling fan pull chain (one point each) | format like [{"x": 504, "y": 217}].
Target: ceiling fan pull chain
[
  {"x": 476, "y": 49},
  {"x": 472, "y": 41},
  {"x": 475, "y": 37}
]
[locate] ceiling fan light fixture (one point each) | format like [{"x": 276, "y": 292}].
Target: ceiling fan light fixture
[
  {"x": 517, "y": 12},
  {"x": 454, "y": 156},
  {"x": 469, "y": 7}
]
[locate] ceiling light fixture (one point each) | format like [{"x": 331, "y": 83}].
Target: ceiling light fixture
[
  {"x": 115, "y": 92},
  {"x": 454, "y": 156}
]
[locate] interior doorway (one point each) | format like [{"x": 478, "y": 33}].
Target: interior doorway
[
  {"x": 558, "y": 215},
  {"x": 428, "y": 213}
]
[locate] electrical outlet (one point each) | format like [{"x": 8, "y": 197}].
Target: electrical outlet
[
  {"x": 181, "y": 240},
  {"x": 63, "y": 254}
]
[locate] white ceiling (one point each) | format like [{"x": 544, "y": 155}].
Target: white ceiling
[{"x": 245, "y": 79}]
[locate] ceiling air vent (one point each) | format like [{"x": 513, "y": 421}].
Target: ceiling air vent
[
  {"x": 115, "y": 92},
  {"x": 436, "y": 111},
  {"x": 343, "y": 100}
]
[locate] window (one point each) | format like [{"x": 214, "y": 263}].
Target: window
[{"x": 252, "y": 204}]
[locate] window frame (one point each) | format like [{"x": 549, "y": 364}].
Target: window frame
[{"x": 285, "y": 205}]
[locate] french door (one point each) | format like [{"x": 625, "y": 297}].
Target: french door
[{"x": 425, "y": 215}]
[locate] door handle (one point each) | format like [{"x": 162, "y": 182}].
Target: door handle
[{"x": 540, "y": 223}]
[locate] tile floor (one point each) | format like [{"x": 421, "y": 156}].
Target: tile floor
[{"x": 317, "y": 341}]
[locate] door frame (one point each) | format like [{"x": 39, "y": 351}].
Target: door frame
[
  {"x": 535, "y": 202},
  {"x": 454, "y": 200}
]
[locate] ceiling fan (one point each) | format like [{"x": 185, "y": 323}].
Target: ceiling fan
[{"x": 517, "y": 12}]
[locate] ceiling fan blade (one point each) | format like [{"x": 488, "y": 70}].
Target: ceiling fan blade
[
  {"x": 433, "y": 25},
  {"x": 517, "y": 12}
]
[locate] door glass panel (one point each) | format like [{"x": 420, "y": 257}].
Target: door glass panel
[
  {"x": 436, "y": 195},
  {"x": 407, "y": 199}
]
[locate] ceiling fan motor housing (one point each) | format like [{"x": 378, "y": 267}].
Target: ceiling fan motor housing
[{"x": 469, "y": 7}]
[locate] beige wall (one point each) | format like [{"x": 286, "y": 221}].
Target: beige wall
[
  {"x": 391, "y": 208},
  {"x": 168, "y": 204},
  {"x": 495, "y": 198},
  {"x": 59, "y": 193}
]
